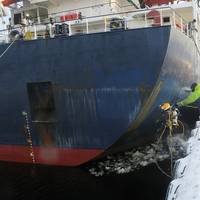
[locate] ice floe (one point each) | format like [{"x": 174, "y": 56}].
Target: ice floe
[{"x": 137, "y": 158}]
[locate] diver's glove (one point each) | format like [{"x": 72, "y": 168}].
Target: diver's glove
[{"x": 178, "y": 104}]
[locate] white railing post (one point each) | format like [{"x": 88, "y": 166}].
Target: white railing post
[
  {"x": 105, "y": 24},
  {"x": 181, "y": 25},
  {"x": 70, "y": 29},
  {"x": 161, "y": 18},
  {"x": 7, "y": 36},
  {"x": 38, "y": 16},
  {"x": 51, "y": 31},
  {"x": 145, "y": 18},
  {"x": 187, "y": 32},
  {"x": 87, "y": 26},
  {"x": 125, "y": 23},
  {"x": 35, "y": 32},
  {"x": 25, "y": 29},
  {"x": 174, "y": 19}
]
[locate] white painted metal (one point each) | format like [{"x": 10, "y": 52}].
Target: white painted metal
[
  {"x": 96, "y": 15},
  {"x": 186, "y": 183}
]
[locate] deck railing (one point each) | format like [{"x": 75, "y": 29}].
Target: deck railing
[{"x": 141, "y": 18}]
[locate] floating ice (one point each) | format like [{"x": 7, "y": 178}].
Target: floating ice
[{"x": 137, "y": 158}]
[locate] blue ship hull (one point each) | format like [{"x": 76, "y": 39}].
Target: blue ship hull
[{"x": 85, "y": 94}]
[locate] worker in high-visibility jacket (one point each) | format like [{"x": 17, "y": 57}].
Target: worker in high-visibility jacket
[{"x": 194, "y": 97}]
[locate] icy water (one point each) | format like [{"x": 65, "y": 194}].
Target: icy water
[
  {"x": 25, "y": 182},
  {"x": 134, "y": 173}
]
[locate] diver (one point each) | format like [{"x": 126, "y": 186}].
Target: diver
[
  {"x": 192, "y": 98},
  {"x": 190, "y": 106}
]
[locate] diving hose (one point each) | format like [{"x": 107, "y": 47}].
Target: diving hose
[{"x": 171, "y": 122}]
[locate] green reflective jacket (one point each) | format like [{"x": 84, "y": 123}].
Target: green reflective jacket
[{"x": 192, "y": 97}]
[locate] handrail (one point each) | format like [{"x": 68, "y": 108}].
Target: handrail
[
  {"x": 74, "y": 10},
  {"x": 82, "y": 8},
  {"x": 139, "y": 11},
  {"x": 178, "y": 21},
  {"x": 86, "y": 7},
  {"x": 119, "y": 13}
]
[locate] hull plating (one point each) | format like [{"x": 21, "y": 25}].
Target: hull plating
[{"x": 104, "y": 88}]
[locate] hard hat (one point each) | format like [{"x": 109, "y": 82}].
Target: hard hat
[{"x": 165, "y": 106}]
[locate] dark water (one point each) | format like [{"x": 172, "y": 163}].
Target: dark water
[{"x": 25, "y": 182}]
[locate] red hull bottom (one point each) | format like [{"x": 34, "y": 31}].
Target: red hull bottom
[{"x": 47, "y": 155}]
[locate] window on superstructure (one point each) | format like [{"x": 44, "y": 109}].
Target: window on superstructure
[
  {"x": 166, "y": 19},
  {"x": 31, "y": 15},
  {"x": 43, "y": 14},
  {"x": 17, "y": 18}
]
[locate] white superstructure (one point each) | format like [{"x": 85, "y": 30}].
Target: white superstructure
[
  {"x": 88, "y": 8},
  {"x": 40, "y": 18}
]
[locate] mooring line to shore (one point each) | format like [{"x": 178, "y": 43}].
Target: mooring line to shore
[{"x": 8, "y": 47}]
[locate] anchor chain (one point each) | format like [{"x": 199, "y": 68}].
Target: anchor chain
[{"x": 29, "y": 138}]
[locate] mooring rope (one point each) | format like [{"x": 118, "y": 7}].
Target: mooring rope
[{"x": 8, "y": 47}]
